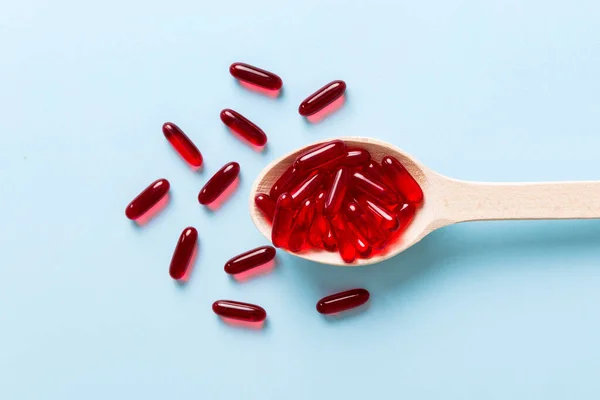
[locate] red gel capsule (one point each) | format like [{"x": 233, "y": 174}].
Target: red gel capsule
[
  {"x": 306, "y": 188},
  {"x": 322, "y": 98},
  {"x": 337, "y": 192},
  {"x": 382, "y": 217},
  {"x": 320, "y": 155},
  {"x": 343, "y": 301},
  {"x": 405, "y": 215},
  {"x": 250, "y": 259},
  {"x": 404, "y": 182},
  {"x": 255, "y": 76},
  {"x": 266, "y": 205},
  {"x": 361, "y": 244},
  {"x": 239, "y": 311},
  {"x": 182, "y": 144},
  {"x": 343, "y": 239},
  {"x": 367, "y": 229},
  {"x": 329, "y": 241},
  {"x": 302, "y": 225},
  {"x": 283, "y": 221},
  {"x": 356, "y": 157},
  {"x": 219, "y": 183},
  {"x": 287, "y": 181},
  {"x": 374, "y": 188},
  {"x": 243, "y": 127},
  {"x": 147, "y": 199},
  {"x": 374, "y": 169},
  {"x": 184, "y": 253},
  {"x": 319, "y": 227}
]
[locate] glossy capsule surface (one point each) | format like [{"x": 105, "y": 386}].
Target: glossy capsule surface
[
  {"x": 303, "y": 221},
  {"x": 337, "y": 192},
  {"x": 373, "y": 188},
  {"x": 343, "y": 239},
  {"x": 373, "y": 168},
  {"x": 245, "y": 128},
  {"x": 343, "y": 301},
  {"x": 329, "y": 241},
  {"x": 363, "y": 248},
  {"x": 405, "y": 215},
  {"x": 239, "y": 311},
  {"x": 356, "y": 157},
  {"x": 255, "y": 76},
  {"x": 383, "y": 218},
  {"x": 367, "y": 229},
  {"x": 320, "y": 155},
  {"x": 147, "y": 199},
  {"x": 219, "y": 182},
  {"x": 182, "y": 144},
  {"x": 318, "y": 227},
  {"x": 283, "y": 221},
  {"x": 322, "y": 98},
  {"x": 287, "y": 181},
  {"x": 184, "y": 252},
  {"x": 266, "y": 205},
  {"x": 403, "y": 180},
  {"x": 250, "y": 259},
  {"x": 306, "y": 188}
]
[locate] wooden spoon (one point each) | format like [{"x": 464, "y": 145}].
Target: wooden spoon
[{"x": 447, "y": 201}]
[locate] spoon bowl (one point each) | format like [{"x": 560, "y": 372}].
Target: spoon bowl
[{"x": 446, "y": 200}]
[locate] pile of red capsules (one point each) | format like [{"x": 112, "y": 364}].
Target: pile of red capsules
[
  {"x": 337, "y": 198},
  {"x": 332, "y": 197}
]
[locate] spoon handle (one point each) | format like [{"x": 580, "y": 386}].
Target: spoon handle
[{"x": 463, "y": 201}]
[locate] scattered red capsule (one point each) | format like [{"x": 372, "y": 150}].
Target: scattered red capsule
[
  {"x": 322, "y": 98},
  {"x": 405, "y": 215},
  {"x": 287, "y": 181},
  {"x": 374, "y": 188},
  {"x": 356, "y": 157},
  {"x": 266, "y": 205},
  {"x": 250, "y": 259},
  {"x": 320, "y": 155},
  {"x": 255, "y": 76},
  {"x": 244, "y": 127},
  {"x": 403, "y": 180},
  {"x": 343, "y": 301},
  {"x": 343, "y": 239},
  {"x": 337, "y": 192},
  {"x": 304, "y": 220},
  {"x": 306, "y": 188},
  {"x": 319, "y": 227},
  {"x": 182, "y": 144},
  {"x": 283, "y": 221},
  {"x": 147, "y": 199},
  {"x": 239, "y": 311},
  {"x": 219, "y": 183},
  {"x": 184, "y": 253},
  {"x": 382, "y": 217}
]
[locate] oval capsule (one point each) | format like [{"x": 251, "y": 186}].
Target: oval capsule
[
  {"x": 320, "y": 155},
  {"x": 372, "y": 187},
  {"x": 245, "y": 128},
  {"x": 337, "y": 192},
  {"x": 239, "y": 311},
  {"x": 405, "y": 183},
  {"x": 322, "y": 98},
  {"x": 184, "y": 253},
  {"x": 147, "y": 199},
  {"x": 266, "y": 205},
  {"x": 306, "y": 188},
  {"x": 182, "y": 144},
  {"x": 219, "y": 182},
  {"x": 250, "y": 259},
  {"x": 343, "y": 301},
  {"x": 303, "y": 221},
  {"x": 255, "y": 76},
  {"x": 283, "y": 221}
]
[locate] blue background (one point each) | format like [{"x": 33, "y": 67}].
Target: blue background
[{"x": 496, "y": 91}]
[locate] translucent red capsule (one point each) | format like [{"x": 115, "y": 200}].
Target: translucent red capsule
[
  {"x": 287, "y": 181},
  {"x": 303, "y": 221},
  {"x": 322, "y": 98},
  {"x": 239, "y": 311},
  {"x": 337, "y": 192},
  {"x": 319, "y": 227},
  {"x": 405, "y": 215},
  {"x": 243, "y": 127},
  {"x": 255, "y": 76},
  {"x": 306, "y": 188},
  {"x": 266, "y": 205},
  {"x": 367, "y": 229},
  {"x": 343, "y": 301},
  {"x": 182, "y": 144},
  {"x": 356, "y": 157},
  {"x": 373, "y": 168},
  {"x": 383, "y": 218},
  {"x": 343, "y": 239},
  {"x": 147, "y": 199},
  {"x": 374, "y": 188},
  {"x": 219, "y": 182},
  {"x": 250, "y": 259},
  {"x": 402, "y": 179},
  {"x": 320, "y": 155},
  {"x": 184, "y": 253},
  {"x": 329, "y": 240},
  {"x": 283, "y": 221},
  {"x": 361, "y": 244}
]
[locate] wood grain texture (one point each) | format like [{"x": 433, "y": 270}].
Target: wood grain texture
[{"x": 447, "y": 201}]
